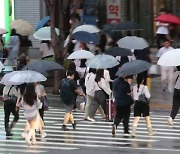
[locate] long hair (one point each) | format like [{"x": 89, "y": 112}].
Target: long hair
[
  {"x": 99, "y": 75},
  {"x": 48, "y": 43},
  {"x": 30, "y": 94},
  {"x": 72, "y": 66},
  {"x": 13, "y": 32},
  {"x": 140, "y": 80}
]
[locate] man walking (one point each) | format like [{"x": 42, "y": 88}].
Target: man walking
[{"x": 167, "y": 72}]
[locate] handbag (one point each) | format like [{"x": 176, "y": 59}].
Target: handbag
[
  {"x": 142, "y": 98},
  {"x": 45, "y": 103}
]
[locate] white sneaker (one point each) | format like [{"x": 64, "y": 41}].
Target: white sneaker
[
  {"x": 90, "y": 119},
  {"x": 44, "y": 134},
  {"x": 170, "y": 121},
  {"x": 23, "y": 135}
]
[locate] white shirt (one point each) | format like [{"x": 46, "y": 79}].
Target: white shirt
[
  {"x": 45, "y": 50},
  {"x": 142, "y": 90},
  {"x": 89, "y": 83},
  {"x": 162, "y": 29},
  {"x": 13, "y": 91},
  {"x": 39, "y": 89},
  {"x": 163, "y": 50}
]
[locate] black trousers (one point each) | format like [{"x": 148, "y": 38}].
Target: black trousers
[
  {"x": 123, "y": 114},
  {"x": 10, "y": 107},
  {"x": 41, "y": 111},
  {"x": 160, "y": 39},
  {"x": 176, "y": 103}
]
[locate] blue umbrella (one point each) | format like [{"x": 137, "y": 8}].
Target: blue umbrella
[
  {"x": 85, "y": 37},
  {"x": 42, "y": 22}
]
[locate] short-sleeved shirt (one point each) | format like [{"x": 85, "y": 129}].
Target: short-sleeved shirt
[
  {"x": 163, "y": 50},
  {"x": 46, "y": 51},
  {"x": 73, "y": 87},
  {"x": 120, "y": 89}
]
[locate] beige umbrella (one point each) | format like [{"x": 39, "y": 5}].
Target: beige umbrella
[
  {"x": 22, "y": 27},
  {"x": 2, "y": 31}
]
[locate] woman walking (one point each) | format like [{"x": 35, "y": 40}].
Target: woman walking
[
  {"x": 140, "y": 107},
  {"x": 31, "y": 105}
]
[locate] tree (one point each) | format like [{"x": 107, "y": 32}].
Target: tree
[{"x": 58, "y": 11}]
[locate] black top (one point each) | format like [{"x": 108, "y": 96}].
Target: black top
[{"x": 143, "y": 54}]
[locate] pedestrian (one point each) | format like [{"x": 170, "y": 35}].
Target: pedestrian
[
  {"x": 31, "y": 104},
  {"x": 13, "y": 49},
  {"x": 10, "y": 95},
  {"x": 162, "y": 29},
  {"x": 176, "y": 97},
  {"x": 167, "y": 72},
  {"x": 123, "y": 99},
  {"x": 25, "y": 43},
  {"x": 101, "y": 93},
  {"x": 140, "y": 107},
  {"x": 46, "y": 51},
  {"x": 68, "y": 89}
]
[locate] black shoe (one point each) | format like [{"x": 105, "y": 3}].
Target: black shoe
[
  {"x": 126, "y": 134},
  {"x": 113, "y": 130},
  {"x": 9, "y": 134},
  {"x": 74, "y": 126},
  {"x": 64, "y": 128}
]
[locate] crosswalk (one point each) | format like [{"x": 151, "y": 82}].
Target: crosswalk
[{"x": 89, "y": 134}]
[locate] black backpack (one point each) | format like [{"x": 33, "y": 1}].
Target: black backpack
[{"x": 66, "y": 92}]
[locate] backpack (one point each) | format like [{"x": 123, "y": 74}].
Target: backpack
[{"x": 65, "y": 91}]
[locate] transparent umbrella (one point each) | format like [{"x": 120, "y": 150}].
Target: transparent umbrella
[
  {"x": 80, "y": 54},
  {"x": 102, "y": 61},
  {"x": 87, "y": 28}
]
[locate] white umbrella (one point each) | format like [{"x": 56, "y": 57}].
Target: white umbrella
[
  {"x": 44, "y": 33},
  {"x": 6, "y": 77},
  {"x": 3, "y": 31},
  {"x": 87, "y": 28},
  {"x": 80, "y": 54},
  {"x": 170, "y": 58},
  {"x": 22, "y": 27},
  {"x": 26, "y": 77},
  {"x": 102, "y": 61},
  {"x": 132, "y": 42}
]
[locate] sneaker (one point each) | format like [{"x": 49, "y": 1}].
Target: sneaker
[
  {"x": 133, "y": 132},
  {"x": 64, "y": 128},
  {"x": 23, "y": 135},
  {"x": 90, "y": 119},
  {"x": 74, "y": 126},
  {"x": 127, "y": 134},
  {"x": 113, "y": 130},
  {"x": 44, "y": 134},
  {"x": 28, "y": 142},
  {"x": 170, "y": 121}
]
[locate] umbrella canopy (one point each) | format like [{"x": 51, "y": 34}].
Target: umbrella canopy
[
  {"x": 22, "y": 27},
  {"x": 102, "y": 61},
  {"x": 117, "y": 51},
  {"x": 123, "y": 26},
  {"x": 170, "y": 58},
  {"x": 168, "y": 18},
  {"x": 42, "y": 66},
  {"x": 42, "y": 22},
  {"x": 132, "y": 42},
  {"x": 80, "y": 54},
  {"x": 27, "y": 77},
  {"x": 6, "y": 77},
  {"x": 2, "y": 31},
  {"x": 87, "y": 28},
  {"x": 85, "y": 37},
  {"x": 44, "y": 33},
  {"x": 132, "y": 68}
]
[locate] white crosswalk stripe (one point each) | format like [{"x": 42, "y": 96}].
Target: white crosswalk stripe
[{"x": 87, "y": 134}]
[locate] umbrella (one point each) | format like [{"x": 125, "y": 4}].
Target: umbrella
[
  {"x": 168, "y": 18},
  {"x": 2, "y": 31},
  {"x": 80, "y": 54},
  {"x": 133, "y": 67},
  {"x": 6, "y": 77},
  {"x": 102, "y": 61},
  {"x": 42, "y": 66},
  {"x": 132, "y": 42},
  {"x": 170, "y": 58},
  {"x": 42, "y": 22},
  {"x": 87, "y": 28},
  {"x": 123, "y": 26},
  {"x": 22, "y": 27},
  {"x": 26, "y": 77},
  {"x": 44, "y": 33},
  {"x": 85, "y": 37},
  {"x": 117, "y": 51}
]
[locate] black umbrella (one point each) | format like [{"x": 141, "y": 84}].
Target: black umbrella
[
  {"x": 117, "y": 51},
  {"x": 132, "y": 68},
  {"x": 123, "y": 26}
]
